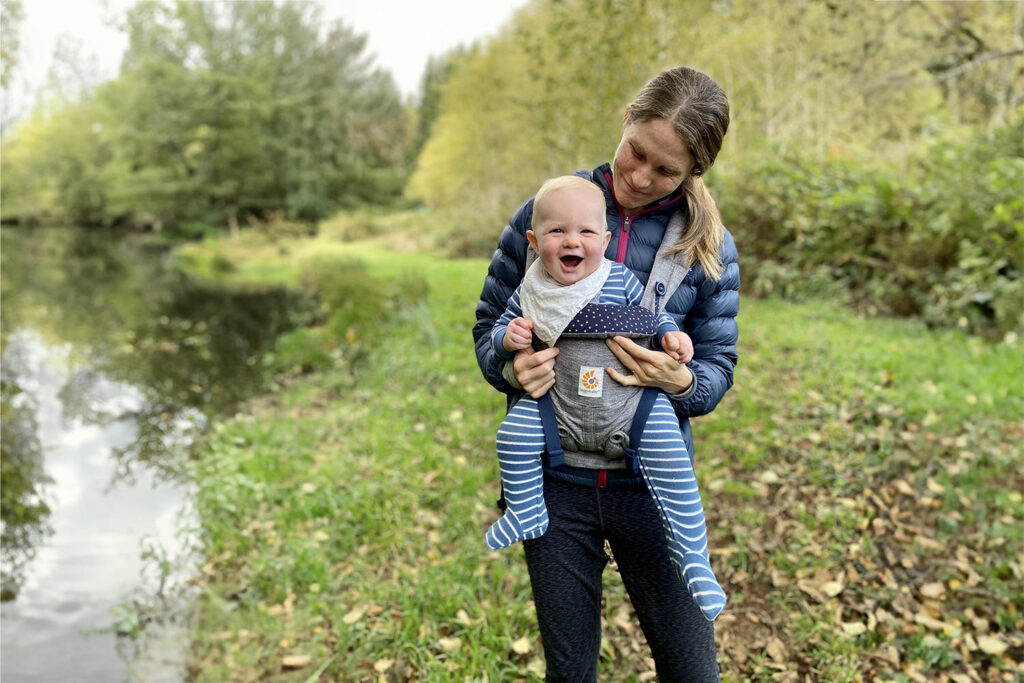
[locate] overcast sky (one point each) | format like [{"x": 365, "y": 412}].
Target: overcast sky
[{"x": 402, "y": 33}]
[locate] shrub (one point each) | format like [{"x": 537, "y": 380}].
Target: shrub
[{"x": 942, "y": 236}]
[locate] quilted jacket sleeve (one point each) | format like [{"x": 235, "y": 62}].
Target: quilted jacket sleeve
[
  {"x": 503, "y": 276},
  {"x": 711, "y": 323}
]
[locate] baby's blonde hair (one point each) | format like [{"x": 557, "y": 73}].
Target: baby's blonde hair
[{"x": 562, "y": 182}]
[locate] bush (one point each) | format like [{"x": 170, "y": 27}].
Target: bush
[
  {"x": 941, "y": 237},
  {"x": 356, "y": 309}
]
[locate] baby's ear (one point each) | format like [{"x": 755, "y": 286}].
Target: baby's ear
[
  {"x": 532, "y": 239},
  {"x": 607, "y": 237}
]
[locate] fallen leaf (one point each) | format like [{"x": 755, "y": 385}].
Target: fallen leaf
[
  {"x": 991, "y": 645},
  {"x": 854, "y": 628},
  {"x": 449, "y": 643},
  {"x": 776, "y": 649},
  {"x": 832, "y": 588},
  {"x": 522, "y": 646},
  {"x": 536, "y": 667},
  {"x": 933, "y": 624},
  {"x": 295, "y": 661},
  {"x": 382, "y": 665},
  {"x": 903, "y": 487},
  {"x": 932, "y": 590},
  {"x": 809, "y": 587},
  {"x": 355, "y": 614}
]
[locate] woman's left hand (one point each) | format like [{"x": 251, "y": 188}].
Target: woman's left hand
[{"x": 649, "y": 368}]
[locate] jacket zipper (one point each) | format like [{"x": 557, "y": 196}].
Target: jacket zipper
[{"x": 620, "y": 253}]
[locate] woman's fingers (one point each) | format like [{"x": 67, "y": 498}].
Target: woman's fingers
[
  {"x": 624, "y": 380},
  {"x": 634, "y": 350},
  {"x": 542, "y": 389},
  {"x": 535, "y": 371},
  {"x": 634, "y": 362}
]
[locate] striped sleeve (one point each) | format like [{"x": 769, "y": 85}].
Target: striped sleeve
[{"x": 512, "y": 311}]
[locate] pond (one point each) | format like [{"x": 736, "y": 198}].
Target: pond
[{"x": 112, "y": 364}]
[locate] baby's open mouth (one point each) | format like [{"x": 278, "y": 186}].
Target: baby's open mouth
[{"x": 571, "y": 261}]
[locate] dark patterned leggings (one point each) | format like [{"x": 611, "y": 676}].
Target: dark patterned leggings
[{"x": 565, "y": 567}]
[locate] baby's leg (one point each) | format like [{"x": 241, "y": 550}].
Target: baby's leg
[
  {"x": 520, "y": 447},
  {"x": 670, "y": 478}
]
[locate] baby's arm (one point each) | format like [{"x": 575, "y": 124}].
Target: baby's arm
[
  {"x": 678, "y": 345},
  {"x": 510, "y": 322}
]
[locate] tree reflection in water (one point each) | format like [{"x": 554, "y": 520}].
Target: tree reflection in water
[
  {"x": 145, "y": 345},
  {"x": 24, "y": 511}
]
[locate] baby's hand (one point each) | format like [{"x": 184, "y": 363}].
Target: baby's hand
[
  {"x": 678, "y": 345},
  {"x": 518, "y": 335}
]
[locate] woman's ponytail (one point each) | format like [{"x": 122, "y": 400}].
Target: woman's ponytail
[{"x": 701, "y": 241}]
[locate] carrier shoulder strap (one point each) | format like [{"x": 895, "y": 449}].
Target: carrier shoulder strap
[{"x": 668, "y": 271}]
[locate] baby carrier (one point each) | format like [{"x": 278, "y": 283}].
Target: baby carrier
[{"x": 586, "y": 410}]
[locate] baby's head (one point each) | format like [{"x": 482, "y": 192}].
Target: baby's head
[{"x": 569, "y": 229}]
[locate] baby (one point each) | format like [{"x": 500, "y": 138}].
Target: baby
[{"x": 557, "y": 298}]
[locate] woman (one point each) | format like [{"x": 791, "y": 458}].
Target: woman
[{"x": 672, "y": 133}]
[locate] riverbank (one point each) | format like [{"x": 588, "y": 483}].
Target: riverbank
[{"x": 861, "y": 480}]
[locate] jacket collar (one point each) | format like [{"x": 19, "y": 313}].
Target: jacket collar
[{"x": 602, "y": 175}]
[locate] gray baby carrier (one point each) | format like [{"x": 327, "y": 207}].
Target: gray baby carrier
[{"x": 586, "y": 410}]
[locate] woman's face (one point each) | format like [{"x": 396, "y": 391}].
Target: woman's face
[{"x": 650, "y": 162}]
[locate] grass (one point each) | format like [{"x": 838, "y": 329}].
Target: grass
[{"x": 862, "y": 481}]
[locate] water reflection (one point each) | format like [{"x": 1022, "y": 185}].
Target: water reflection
[
  {"x": 21, "y": 470},
  {"x": 111, "y": 362}
]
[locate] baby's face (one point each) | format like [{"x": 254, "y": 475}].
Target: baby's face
[{"x": 572, "y": 235}]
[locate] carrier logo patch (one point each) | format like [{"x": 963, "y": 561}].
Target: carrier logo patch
[{"x": 591, "y": 381}]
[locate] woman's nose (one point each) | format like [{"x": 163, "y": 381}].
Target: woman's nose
[{"x": 640, "y": 179}]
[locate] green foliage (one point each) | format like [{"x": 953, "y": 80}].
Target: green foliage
[
  {"x": 23, "y": 509},
  {"x": 54, "y": 167},
  {"x": 11, "y": 15},
  {"x": 836, "y": 107},
  {"x": 356, "y": 308},
  {"x": 222, "y": 111},
  {"x": 941, "y": 236}
]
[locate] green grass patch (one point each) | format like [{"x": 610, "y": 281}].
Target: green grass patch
[{"x": 862, "y": 485}]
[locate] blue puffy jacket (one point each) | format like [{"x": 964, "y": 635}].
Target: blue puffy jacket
[{"x": 703, "y": 308}]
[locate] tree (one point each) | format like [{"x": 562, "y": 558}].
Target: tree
[
  {"x": 221, "y": 111},
  {"x": 244, "y": 107},
  {"x": 11, "y": 16}
]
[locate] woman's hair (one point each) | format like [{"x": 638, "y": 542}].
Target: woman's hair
[
  {"x": 699, "y": 111},
  {"x": 562, "y": 182}
]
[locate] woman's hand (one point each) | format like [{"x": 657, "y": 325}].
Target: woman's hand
[
  {"x": 649, "y": 368},
  {"x": 535, "y": 370}
]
